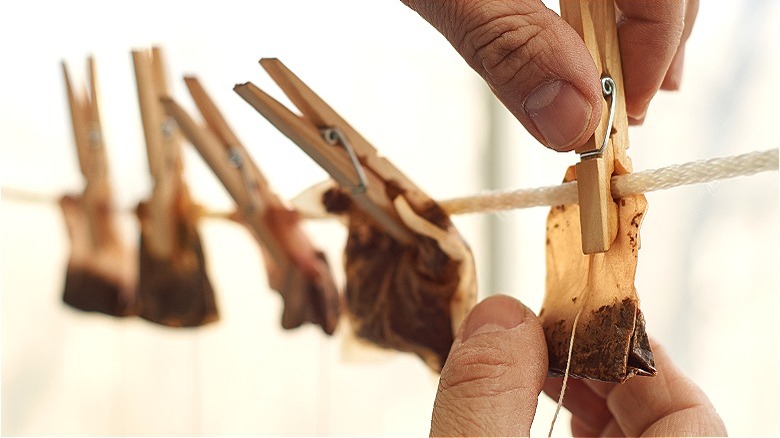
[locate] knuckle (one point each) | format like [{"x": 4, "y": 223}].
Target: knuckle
[
  {"x": 451, "y": 418},
  {"x": 477, "y": 372},
  {"x": 656, "y": 31},
  {"x": 503, "y": 46}
]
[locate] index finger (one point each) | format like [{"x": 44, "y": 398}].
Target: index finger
[
  {"x": 670, "y": 404},
  {"x": 649, "y": 34}
]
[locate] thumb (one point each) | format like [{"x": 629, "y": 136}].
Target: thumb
[
  {"x": 495, "y": 371},
  {"x": 534, "y": 62}
]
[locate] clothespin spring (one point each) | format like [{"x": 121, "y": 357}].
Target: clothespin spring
[
  {"x": 94, "y": 136},
  {"x": 609, "y": 89},
  {"x": 333, "y": 136},
  {"x": 95, "y": 143},
  {"x": 167, "y": 127},
  {"x": 237, "y": 161}
]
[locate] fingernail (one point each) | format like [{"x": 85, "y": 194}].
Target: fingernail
[
  {"x": 494, "y": 314},
  {"x": 560, "y": 113}
]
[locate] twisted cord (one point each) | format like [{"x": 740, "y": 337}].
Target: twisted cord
[{"x": 623, "y": 185}]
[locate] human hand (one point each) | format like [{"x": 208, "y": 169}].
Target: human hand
[
  {"x": 540, "y": 69},
  {"x": 498, "y": 366}
]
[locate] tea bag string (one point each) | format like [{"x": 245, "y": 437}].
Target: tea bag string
[{"x": 566, "y": 373}]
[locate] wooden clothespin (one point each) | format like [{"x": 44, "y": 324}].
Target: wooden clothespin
[
  {"x": 100, "y": 275},
  {"x": 410, "y": 276},
  {"x": 333, "y": 144},
  {"x": 174, "y": 288},
  {"x": 163, "y": 150},
  {"x": 296, "y": 269},
  {"x": 604, "y": 154}
]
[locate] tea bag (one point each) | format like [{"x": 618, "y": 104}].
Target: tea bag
[
  {"x": 100, "y": 276},
  {"x": 174, "y": 288},
  {"x": 406, "y": 297},
  {"x": 597, "y": 291},
  {"x": 302, "y": 277}
]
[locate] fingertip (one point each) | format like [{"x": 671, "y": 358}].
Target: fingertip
[
  {"x": 494, "y": 373},
  {"x": 673, "y": 79},
  {"x": 495, "y": 313},
  {"x": 637, "y": 111},
  {"x": 67, "y": 201},
  {"x": 636, "y": 121},
  {"x": 507, "y": 331},
  {"x": 670, "y": 402},
  {"x": 649, "y": 37}
]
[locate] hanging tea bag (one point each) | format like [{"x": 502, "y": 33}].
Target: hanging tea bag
[
  {"x": 596, "y": 292},
  {"x": 101, "y": 271},
  {"x": 406, "y": 296},
  {"x": 173, "y": 286},
  {"x": 100, "y": 276}
]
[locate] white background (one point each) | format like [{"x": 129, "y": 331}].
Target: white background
[{"x": 707, "y": 272}]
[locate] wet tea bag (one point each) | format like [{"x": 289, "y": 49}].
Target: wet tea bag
[
  {"x": 173, "y": 287},
  {"x": 597, "y": 291},
  {"x": 296, "y": 269},
  {"x": 101, "y": 272},
  {"x": 406, "y": 296}
]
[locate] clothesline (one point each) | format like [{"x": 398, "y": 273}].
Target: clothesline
[
  {"x": 676, "y": 175},
  {"x": 624, "y": 185}
]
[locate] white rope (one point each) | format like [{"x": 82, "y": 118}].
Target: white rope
[
  {"x": 26, "y": 196},
  {"x": 623, "y": 185},
  {"x": 566, "y": 193}
]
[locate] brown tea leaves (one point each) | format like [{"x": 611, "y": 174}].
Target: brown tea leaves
[
  {"x": 174, "y": 290},
  {"x": 100, "y": 273}
]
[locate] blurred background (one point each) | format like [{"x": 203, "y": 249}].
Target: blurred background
[{"x": 707, "y": 274}]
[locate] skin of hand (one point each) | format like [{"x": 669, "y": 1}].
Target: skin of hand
[
  {"x": 497, "y": 368},
  {"x": 540, "y": 69}
]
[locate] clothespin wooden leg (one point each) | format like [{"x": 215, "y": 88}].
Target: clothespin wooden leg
[{"x": 598, "y": 212}]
